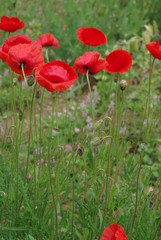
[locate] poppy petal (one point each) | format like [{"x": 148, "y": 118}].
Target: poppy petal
[
  {"x": 11, "y": 24},
  {"x": 155, "y": 49},
  {"x": 114, "y": 232},
  {"x": 48, "y": 39},
  {"x": 91, "y": 36},
  {"x": 27, "y": 54},
  {"x": 100, "y": 65},
  {"x": 55, "y": 76},
  {"x": 119, "y": 61},
  {"x": 86, "y": 62}
]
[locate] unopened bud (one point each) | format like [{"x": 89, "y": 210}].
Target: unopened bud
[
  {"x": 38, "y": 94},
  {"x": 30, "y": 80},
  {"x": 123, "y": 85},
  {"x": 80, "y": 151}
]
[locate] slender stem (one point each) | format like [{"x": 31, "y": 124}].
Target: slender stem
[
  {"x": 149, "y": 94},
  {"x": 52, "y": 192},
  {"x": 117, "y": 125},
  {"x": 30, "y": 131},
  {"x": 40, "y": 133},
  {"x": 23, "y": 72},
  {"x": 18, "y": 143},
  {"x": 47, "y": 54},
  {"x": 73, "y": 194},
  {"x": 137, "y": 195},
  {"x": 108, "y": 173},
  {"x": 90, "y": 92},
  {"x": 57, "y": 100}
]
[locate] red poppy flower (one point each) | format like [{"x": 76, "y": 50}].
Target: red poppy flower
[
  {"x": 119, "y": 61},
  {"x": 48, "y": 39},
  {"x": 11, "y": 24},
  {"x": 55, "y": 76},
  {"x": 10, "y": 42},
  {"x": 90, "y": 61},
  {"x": 114, "y": 232},
  {"x": 91, "y": 36},
  {"x": 155, "y": 49},
  {"x": 27, "y": 54}
]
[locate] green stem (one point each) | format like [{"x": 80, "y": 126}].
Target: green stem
[
  {"x": 30, "y": 130},
  {"x": 149, "y": 94},
  {"x": 57, "y": 100},
  {"x": 47, "y": 55},
  {"x": 23, "y": 72},
  {"x": 73, "y": 194},
  {"x": 52, "y": 193},
  {"x": 90, "y": 92},
  {"x": 40, "y": 134},
  {"x": 107, "y": 184},
  {"x": 137, "y": 195}
]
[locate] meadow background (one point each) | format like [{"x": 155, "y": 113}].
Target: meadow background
[{"x": 128, "y": 24}]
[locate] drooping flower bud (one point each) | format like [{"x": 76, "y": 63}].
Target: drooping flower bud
[
  {"x": 38, "y": 94},
  {"x": 30, "y": 80},
  {"x": 123, "y": 85}
]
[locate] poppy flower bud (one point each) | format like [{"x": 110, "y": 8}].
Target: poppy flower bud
[
  {"x": 98, "y": 125},
  {"x": 80, "y": 151},
  {"x": 30, "y": 80},
  {"x": 123, "y": 85},
  {"x": 38, "y": 94},
  {"x": 20, "y": 115},
  {"x": 97, "y": 141}
]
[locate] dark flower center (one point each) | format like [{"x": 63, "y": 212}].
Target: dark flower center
[{"x": 22, "y": 64}]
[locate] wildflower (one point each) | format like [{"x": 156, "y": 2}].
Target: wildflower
[
  {"x": 90, "y": 61},
  {"x": 27, "y": 54},
  {"x": 119, "y": 61},
  {"x": 48, "y": 39},
  {"x": 155, "y": 49},
  {"x": 10, "y": 42},
  {"x": 55, "y": 76},
  {"x": 91, "y": 36},
  {"x": 11, "y": 24},
  {"x": 114, "y": 232}
]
